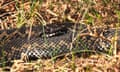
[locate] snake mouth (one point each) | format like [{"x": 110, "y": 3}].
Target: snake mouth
[{"x": 59, "y": 32}]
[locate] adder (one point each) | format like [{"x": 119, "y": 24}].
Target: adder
[{"x": 55, "y": 39}]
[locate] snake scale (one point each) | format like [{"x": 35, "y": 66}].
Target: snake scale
[{"x": 54, "y": 39}]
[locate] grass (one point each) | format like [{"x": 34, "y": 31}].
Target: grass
[{"x": 91, "y": 12}]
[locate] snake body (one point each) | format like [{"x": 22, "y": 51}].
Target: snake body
[{"x": 52, "y": 40}]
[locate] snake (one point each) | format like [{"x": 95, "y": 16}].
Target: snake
[{"x": 47, "y": 41}]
